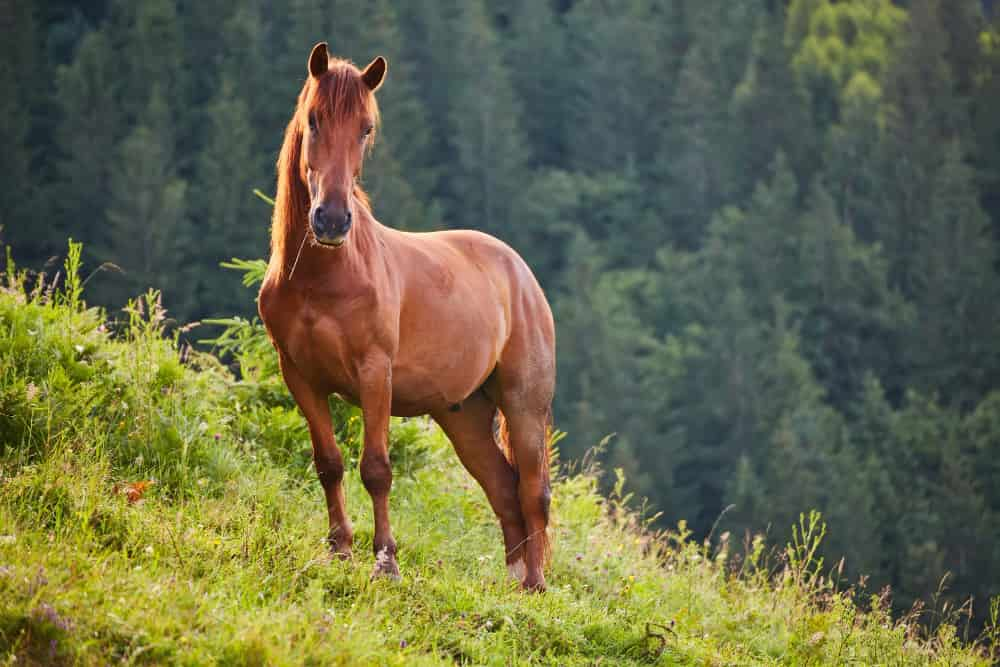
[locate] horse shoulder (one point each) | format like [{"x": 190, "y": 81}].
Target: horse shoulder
[{"x": 267, "y": 302}]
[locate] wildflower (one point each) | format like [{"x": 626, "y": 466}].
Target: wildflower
[
  {"x": 47, "y": 612},
  {"x": 31, "y": 391},
  {"x": 403, "y": 643},
  {"x": 218, "y": 437}
]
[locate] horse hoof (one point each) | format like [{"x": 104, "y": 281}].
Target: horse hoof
[
  {"x": 339, "y": 551},
  {"x": 390, "y": 572},
  {"x": 532, "y": 585},
  {"x": 386, "y": 566},
  {"x": 516, "y": 570}
]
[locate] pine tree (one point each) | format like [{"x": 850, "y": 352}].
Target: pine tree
[
  {"x": 833, "y": 42},
  {"x": 851, "y": 158},
  {"x": 148, "y": 234},
  {"x": 18, "y": 188},
  {"x": 228, "y": 218},
  {"x": 153, "y": 54},
  {"x": 696, "y": 165},
  {"x": 484, "y": 116},
  {"x": 86, "y": 137},
  {"x": 623, "y": 72},
  {"x": 922, "y": 117},
  {"x": 538, "y": 59},
  {"x": 953, "y": 348},
  {"x": 984, "y": 102},
  {"x": 770, "y": 111}
]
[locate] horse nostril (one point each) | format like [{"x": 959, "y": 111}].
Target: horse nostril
[{"x": 347, "y": 217}]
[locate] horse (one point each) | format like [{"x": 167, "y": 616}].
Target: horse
[{"x": 451, "y": 324}]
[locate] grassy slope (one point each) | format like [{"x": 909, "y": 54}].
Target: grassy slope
[{"x": 223, "y": 562}]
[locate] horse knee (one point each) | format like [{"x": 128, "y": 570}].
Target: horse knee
[
  {"x": 508, "y": 510},
  {"x": 376, "y": 474},
  {"x": 329, "y": 467},
  {"x": 536, "y": 498}
]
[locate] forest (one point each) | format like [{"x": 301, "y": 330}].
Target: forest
[{"x": 769, "y": 229}]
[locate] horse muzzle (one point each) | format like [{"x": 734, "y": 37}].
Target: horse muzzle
[{"x": 330, "y": 230}]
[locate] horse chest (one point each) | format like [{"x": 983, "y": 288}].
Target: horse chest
[{"x": 325, "y": 338}]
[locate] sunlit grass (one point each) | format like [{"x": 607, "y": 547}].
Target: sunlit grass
[{"x": 222, "y": 560}]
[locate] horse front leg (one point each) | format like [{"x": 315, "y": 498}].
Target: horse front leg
[
  {"x": 326, "y": 456},
  {"x": 376, "y": 472}
]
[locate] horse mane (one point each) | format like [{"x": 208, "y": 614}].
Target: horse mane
[{"x": 337, "y": 95}]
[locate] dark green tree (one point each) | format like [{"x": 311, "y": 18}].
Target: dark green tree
[
  {"x": 484, "y": 116},
  {"x": 86, "y": 137},
  {"x": 225, "y": 215},
  {"x": 18, "y": 189},
  {"x": 957, "y": 291},
  {"x": 148, "y": 231}
]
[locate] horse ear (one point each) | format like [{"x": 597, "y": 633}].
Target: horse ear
[
  {"x": 318, "y": 60},
  {"x": 374, "y": 73}
]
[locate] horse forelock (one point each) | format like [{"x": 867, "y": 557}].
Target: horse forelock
[
  {"x": 340, "y": 94},
  {"x": 336, "y": 97}
]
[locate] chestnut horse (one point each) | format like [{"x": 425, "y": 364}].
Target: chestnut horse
[{"x": 452, "y": 324}]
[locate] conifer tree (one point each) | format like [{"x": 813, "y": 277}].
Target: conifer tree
[
  {"x": 769, "y": 111},
  {"x": 152, "y": 54},
  {"x": 86, "y": 137},
  {"x": 484, "y": 117},
  {"x": 537, "y": 56},
  {"x": 226, "y": 216},
  {"x": 953, "y": 347},
  {"x": 621, "y": 51},
  {"x": 922, "y": 117},
  {"x": 148, "y": 235},
  {"x": 18, "y": 189}
]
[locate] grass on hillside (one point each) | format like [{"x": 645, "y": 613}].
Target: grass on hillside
[{"x": 222, "y": 561}]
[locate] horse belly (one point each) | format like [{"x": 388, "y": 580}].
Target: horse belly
[{"x": 427, "y": 381}]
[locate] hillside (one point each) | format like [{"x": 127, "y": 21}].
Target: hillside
[{"x": 154, "y": 509}]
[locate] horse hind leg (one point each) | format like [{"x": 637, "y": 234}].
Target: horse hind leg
[
  {"x": 528, "y": 433},
  {"x": 470, "y": 430}
]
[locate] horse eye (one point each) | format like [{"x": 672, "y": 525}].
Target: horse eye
[
  {"x": 312, "y": 122},
  {"x": 367, "y": 131}
]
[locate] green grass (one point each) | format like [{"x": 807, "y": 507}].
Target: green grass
[{"x": 223, "y": 560}]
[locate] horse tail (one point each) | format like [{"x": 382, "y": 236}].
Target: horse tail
[
  {"x": 501, "y": 435},
  {"x": 546, "y": 472}
]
